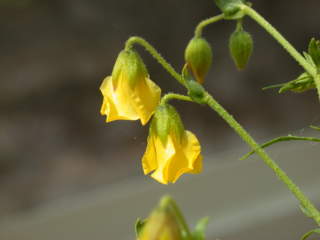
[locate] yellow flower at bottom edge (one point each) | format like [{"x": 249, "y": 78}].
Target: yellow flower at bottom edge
[
  {"x": 129, "y": 94},
  {"x": 163, "y": 223},
  {"x": 180, "y": 153}
]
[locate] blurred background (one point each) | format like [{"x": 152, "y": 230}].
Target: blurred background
[{"x": 54, "y": 55}]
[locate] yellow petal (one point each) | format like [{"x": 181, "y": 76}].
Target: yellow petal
[
  {"x": 157, "y": 157},
  {"x": 146, "y": 97},
  {"x": 149, "y": 159},
  {"x": 192, "y": 150},
  {"x": 169, "y": 162},
  {"x": 117, "y": 105},
  {"x": 129, "y": 103}
]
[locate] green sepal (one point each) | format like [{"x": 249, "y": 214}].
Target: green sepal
[
  {"x": 198, "y": 56},
  {"x": 240, "y": 47},
  {"x": 166, "y": 121},
  {"x": 231, "y": 8},
  {"x": 308, "y": 234},
  {"x": 200, "y": 229},
  {"x": 130, "y": 66},
  {"x": 314, "y": 51},
  {"x": 139, "y": 226}
]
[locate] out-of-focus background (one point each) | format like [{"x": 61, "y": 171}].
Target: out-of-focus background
[{"x": 54, "y": 55}]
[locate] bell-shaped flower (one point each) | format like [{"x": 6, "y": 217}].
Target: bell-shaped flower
[
  {"x": 129, "y": 94},
  {"x": 171, "y": 150}
]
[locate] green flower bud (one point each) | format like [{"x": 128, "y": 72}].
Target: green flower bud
[
  {"x": 198, "y": 57},
  {"x": 314, "y": 51},
  {"x": 196, "y": 92},
  {"x": 166, "y": 121},
  {"x": 240, "y": 46},
  {"x": 130, "y": 64},
  {"x": 162, "y": 223}
]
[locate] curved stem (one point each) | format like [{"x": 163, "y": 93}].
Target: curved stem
[
  {"x": 204, "y": 23},
  {"x": 170, "y": 96},
  {"x": 284, "y": 43},
  {"x": 281, "y": 139},
  {"x": 156, "y": 55},
  {"x": 304, "y": 201}
]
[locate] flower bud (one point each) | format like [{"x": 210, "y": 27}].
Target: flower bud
[
  {"x": 198, "y": 56},
  {"x": 240, "y": 46},
  {"x": 162, "y": 223},
  {"x": 129, "y": 64}
]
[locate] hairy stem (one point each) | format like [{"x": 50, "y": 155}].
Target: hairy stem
[
  {"x": 284, "y": 43},
  {"x": 304, "y": 201},
  {"x": 170, "y": 96},
  {"x": 138, "y": 40},
  {"x": 204, "y": 23}
]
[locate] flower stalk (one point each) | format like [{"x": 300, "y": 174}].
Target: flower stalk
[
  {"x": 154, "y": 53},
  {"x": 206, "y": 22}
]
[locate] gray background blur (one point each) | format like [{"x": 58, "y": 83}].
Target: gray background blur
[{"x": 54, "y": 55}]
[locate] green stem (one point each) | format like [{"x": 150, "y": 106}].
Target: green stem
[
  {"x": 156, "y": 55},
  {"x": 281, "y": 139},
  {"x": 304, "y": 201},
  {"x": 284, "y": 43},
  {"x": 204, "y": 23},
  {"x": 170, "y": 96}
]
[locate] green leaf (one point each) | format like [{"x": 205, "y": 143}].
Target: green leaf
[
  {"x": 139, "y": 226},
  {"x": 231, "y": 8},
  {"x": 199, "y": 231},
  {"x": 308, "y": 234},
  {"x": 314, "y": 51},
  {"x": 315, "y": 127},
  {"x": 281, "y": 139},
  {"x": 303, "y": 83}
]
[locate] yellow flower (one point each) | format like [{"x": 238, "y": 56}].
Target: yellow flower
[
  {"x": 129, "y": 94},
  {"x": 162, "y": 224},
  {"x": 171, "y": 150}
]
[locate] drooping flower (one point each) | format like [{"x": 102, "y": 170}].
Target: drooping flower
[
  {"x": 171, "y": 150},
  {"x": 129, "y": 94}
]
